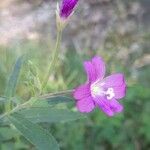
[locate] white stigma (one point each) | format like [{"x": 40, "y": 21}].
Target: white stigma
[
  {"x": 110, "y": 93},
  {"x": 98, "y": 90}
]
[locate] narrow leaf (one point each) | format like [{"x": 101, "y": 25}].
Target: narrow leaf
[
  {"x": 41, "y": 138},
  {"x": 51, "y": 101},
  {"x": 48, "y": 114},
  {"x": 12, "y": 82},
  {"x": 59, "y": 99}
]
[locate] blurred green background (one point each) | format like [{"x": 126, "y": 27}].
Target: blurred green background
[{"x": 116, "y": 30}]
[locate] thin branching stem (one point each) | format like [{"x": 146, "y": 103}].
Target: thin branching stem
[{"x": 49, "y": 95}]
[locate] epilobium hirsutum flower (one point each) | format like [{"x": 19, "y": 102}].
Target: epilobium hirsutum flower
[
  {"x": 100, "y": 91},
  {"x": 65, "y": 10}
]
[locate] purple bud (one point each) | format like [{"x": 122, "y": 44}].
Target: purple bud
[{"x": 67, "y": 8}]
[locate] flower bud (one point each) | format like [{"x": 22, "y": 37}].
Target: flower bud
[
  {"x": 64, "y": 11},
  {"x": 67, "y": 8}
]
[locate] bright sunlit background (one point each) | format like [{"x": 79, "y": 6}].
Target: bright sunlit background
[{"x": 117, "y": 30}]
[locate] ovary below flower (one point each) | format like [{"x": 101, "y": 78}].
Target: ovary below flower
[{"x": 100, "y": 91}]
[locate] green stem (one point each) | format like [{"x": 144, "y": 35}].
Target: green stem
[
  {"x": 15, "y": 109},
  {"x": 49, "y": 95},
  {"x": 8, "y": 105},
  {"x": 54, "y": 58}
]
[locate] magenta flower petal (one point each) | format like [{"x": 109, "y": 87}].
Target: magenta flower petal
[
  {"x": 85, "y": 105},
  {"x": 116, "y": 79},
  {"x": 120, "y": 91},
  {"x": 90, "y": 71},
  {"x": 104, "y": 106},
  {"x": 116, "y": 106},
  {"x": 99, "y": 66},
  {"x": 95, "y": 69},
  {"x": 67, "y": 8},
  {"x": 110, "y": 107},
  {"x": 82, "y": 91}
]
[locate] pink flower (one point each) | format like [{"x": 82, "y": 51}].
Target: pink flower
[{"x": 100, "y": 91}]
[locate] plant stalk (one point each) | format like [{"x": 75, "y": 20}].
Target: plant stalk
[{"x": 54, "y": 59}]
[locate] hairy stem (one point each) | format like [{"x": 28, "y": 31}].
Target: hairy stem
[
  {"x": 56, "y": 94},
  {"x": 54, "y": 58}
]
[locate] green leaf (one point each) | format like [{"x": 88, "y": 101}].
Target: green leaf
[
  {"x": 41, "y": 138},
  {"x": 59, "y": 99},
  {"x": 48, "y": 114},
  {"x": 15, "y": 100},
  {"x": 7, "y": 133},
  {"x": 7, "y": 146},
  {"x": 51, "y": 101},
  {"x": 12, "y": 82},
  {"x": 2, "y": 99}
]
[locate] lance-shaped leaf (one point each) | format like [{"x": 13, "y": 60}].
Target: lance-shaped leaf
[
  {"x": 41, "y": 138},
  {"x": 12, "y": 82},
  {"x": 50, "y": 115},
  {"x": 51, "y": 101}
]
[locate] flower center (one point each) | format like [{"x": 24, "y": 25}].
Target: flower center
[{"x": 98, "y": 90}]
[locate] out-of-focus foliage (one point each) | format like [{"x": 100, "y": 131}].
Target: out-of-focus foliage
[{"x": 129, "y": 130}]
